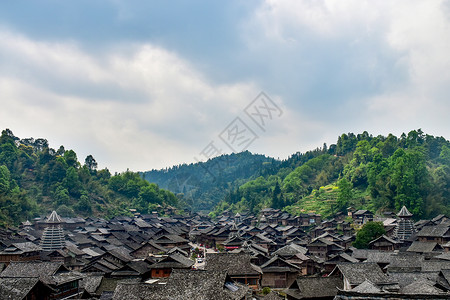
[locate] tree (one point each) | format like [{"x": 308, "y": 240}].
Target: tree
[
  {"x": 90, "y": 163},
  {"x": 410, "y": 179},
  {"x": 5, "y": 178},
  {"x": 61, "y": 195},
  {"x": 72, "y": 182},
  {"x": 84, "y": 204},
  {"x": 345, "y": 194},
  {"x": 369, "y": 232},
  {"x": 71, "y": 158},
  {"x": 61, "y": 150},
  {"x": 276, "y": 197},
  {"x": 65, "y": 211}
]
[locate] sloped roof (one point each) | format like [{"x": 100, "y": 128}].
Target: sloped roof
[
  {"x": 405, "y": 278},
  {"x": 379, "y": 256},
  {"x": 423, "y": 247},
  {"x": 405, "y": 262},
  {"x": 16, "y": 288},
  {"x": 174, "y": 260},
  {"x": 170, "y": 238},
  {"x": 153, "y": 244},
  {"x": 234, "y": 263},
  {"x": 31, "y": 269},
  {"x": 424, "y": 287},
  {"x": 290, "y": 250},
  {"x": 434, "y": 231},
  {"x": 199, "y": 285},
  {"x": 443, "y": 256},
  {"x": 366, "y": 287},
  {"x": 277, "y": 264},
  {"x": 434, "y": 265},
  {"x": 22, "y": 247},
  {"x": 404, "y": 212},
  {"x": 54, "y": 218},
  {"x": 91, "y": 283},
  {"x": 444, "y": 278},
  {"x": 383, "y": 237},
  {"x": 343, "y": 256},
  {"x": 47, "y": 272},
  {"x": 314, "y": 287},
  {"x": 357, "y": 273},
  {"x": 177, "y": 250}
]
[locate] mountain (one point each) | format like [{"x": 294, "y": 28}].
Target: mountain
[
  {"x": 202, "y": 185},
  {"x": 366, "y": 172},
  {"x": 36, "y": 179},
  {"x": 380, "y": 173}
]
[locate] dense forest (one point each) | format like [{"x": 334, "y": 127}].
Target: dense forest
[
  {"x": 202, "y": 185},
  {"x": 362, "y": 171},
  {"x": 35, "y": 179}
]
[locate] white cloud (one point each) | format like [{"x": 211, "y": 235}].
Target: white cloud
[
  {"x": 333, "y": 66},
  {"x": 401, "y": 46},
  {"x": 175, "y": 115}
]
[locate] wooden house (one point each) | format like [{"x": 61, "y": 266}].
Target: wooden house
[
  {"x": 63, "y": 283},
  {"x": 165, "y": 266},
  {"x": 238, "y": 267},
  {"x": 278, "y": 273},
  {"x": 384, "y": 243},
  {"x": 310, "y": 288}
]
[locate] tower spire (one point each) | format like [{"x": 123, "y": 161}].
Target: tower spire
[{"x": 53, "y": 236}]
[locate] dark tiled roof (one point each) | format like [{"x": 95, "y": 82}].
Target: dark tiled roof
[
  {"x": 91, "y": 283},
  {"x": 383, "y": 237},
  {"x": 198, "y": 285},
  {"x": 176, "y": 261},
  {"x": 379, "y": 256},
  {"x": 423, "y": 287},
  {"x": 423, "y": 247},
  {"x": 314, "y": 287},
  {"x": 357, "y": 273},
  {"x": 433, "y": 231},
  {"x": 434, "y": 265},
  {"x": 277, "y": 264},
  {"x": 16, "y": 288},
  {"x": 366, "y": 287},
  {"x": 234, "y": 263},
  {"x": 31, "y": 269},
  {"x": 405, "y": 278},
  {"x": 290, "y": 250},
  {"x": 404, "y": 212}
]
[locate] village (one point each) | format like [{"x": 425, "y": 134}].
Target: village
[{"x": 274, "y": 255}]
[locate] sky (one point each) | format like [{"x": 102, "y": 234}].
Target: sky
[{"x": 144, "y": 85}]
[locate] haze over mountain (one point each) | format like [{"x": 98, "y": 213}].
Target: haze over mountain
[{"x": 364, "y": 171}]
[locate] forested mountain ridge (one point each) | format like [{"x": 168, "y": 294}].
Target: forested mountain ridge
[
  {"x": 377, "y": 173},
  {"x": 363, "y": 171},
  {"x": 200, "y": 186},
  {"x": 35, "y": 179}
]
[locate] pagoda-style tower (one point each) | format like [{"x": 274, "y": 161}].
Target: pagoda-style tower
[
  {"x": 53, "y": 236},
  {"x": 405, "y": 227}
]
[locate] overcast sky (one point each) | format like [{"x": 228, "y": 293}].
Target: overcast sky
[{"x": 150, "y": 84}]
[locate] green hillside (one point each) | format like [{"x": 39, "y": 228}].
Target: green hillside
[
  {"x": 377, "y": 173},
  {"x": 35, "y": 179},
  {"x": 202, "y": 185}
]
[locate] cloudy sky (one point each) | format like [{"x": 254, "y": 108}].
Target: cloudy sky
[{"x": 149, "y": 84}]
